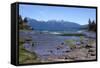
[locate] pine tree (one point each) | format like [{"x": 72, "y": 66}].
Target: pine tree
[
  {"x": 93, "y": 25},
  {"x": 25, "y": 20},
  {"x": 89, "y": 25}
]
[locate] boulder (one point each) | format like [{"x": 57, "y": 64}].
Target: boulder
[
  {"x": 92, "y": 50},
  {"x": 78, "y": 43},
  {"x": 93, "y": 54},
  {"x": 88, "y": 46}
]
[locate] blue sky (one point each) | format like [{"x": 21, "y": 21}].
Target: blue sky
[{"x": 72, "y": 14}]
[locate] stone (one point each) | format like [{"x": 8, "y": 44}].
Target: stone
[
  {"x": 67, "y": 51},
  {"x": 91, "y": 50},
  {"x": 83, "y": 42},
  {"x": 93, "y": 54},
  {"x": 88, "y": 46},
  {"x": 69, "y": 60},
  {"x": 66, "y": 58},
  {"x": 80, "y": 58},
  {"x": 78, "y": 47},
  {"x": 78, "y": 43}
]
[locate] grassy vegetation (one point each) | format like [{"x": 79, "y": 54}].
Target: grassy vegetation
[
  {"x": 70, "y": 43},
  {"x": 71, "y": 34},
  {"x": 25, "y": 56},
  {"x": 91, "y": 41},
  {"x": 81, "y": 38}
]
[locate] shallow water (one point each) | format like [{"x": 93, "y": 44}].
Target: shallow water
[{"x": 45, "y": 43}]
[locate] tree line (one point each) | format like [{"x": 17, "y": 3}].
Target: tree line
[
  {"x": 92, "y": 25},
  {"x": 23, "y": 24}
]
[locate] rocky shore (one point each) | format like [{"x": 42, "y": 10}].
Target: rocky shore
[
  {"x": 87, "y": 52},
  {"x": 52, "y": 48}
]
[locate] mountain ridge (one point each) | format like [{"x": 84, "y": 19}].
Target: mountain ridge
[{"x": 53, "y": 25}]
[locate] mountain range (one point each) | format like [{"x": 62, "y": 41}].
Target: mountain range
[{"x": 53, "y": 25}]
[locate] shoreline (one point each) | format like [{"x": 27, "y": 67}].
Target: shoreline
[{"x": 46, "y": 43}]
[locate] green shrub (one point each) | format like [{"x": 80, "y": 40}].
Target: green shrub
[
  {"x": 81, "y": 38},
  {"x": 26, "y": 56},
  {"x": 90, "y": 41},
  {"x": 70, "y": 43}
]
